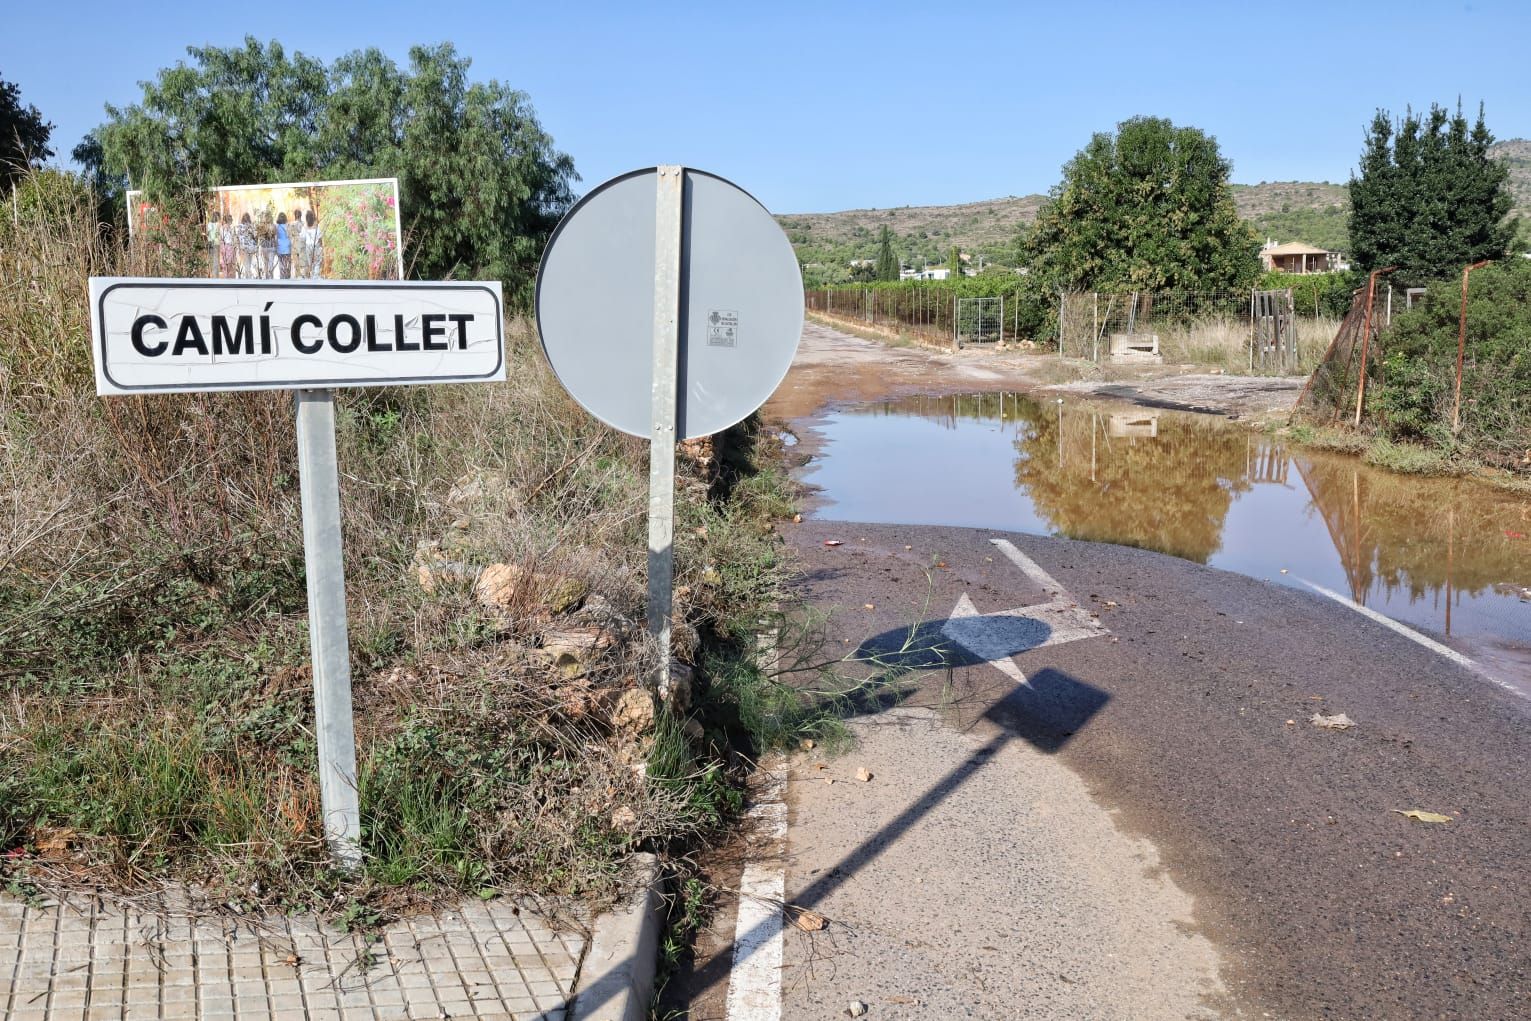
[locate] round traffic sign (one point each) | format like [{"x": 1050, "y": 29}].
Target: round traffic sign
[{"x": 741, "y": 303}]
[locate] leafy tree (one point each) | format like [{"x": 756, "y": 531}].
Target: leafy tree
[
  {"x": 954, "y": 261},
  {"x": 887, "y": 262},
  {"x": 481, "y": 184},
  {"x": 1147, "y": 208},
  {"x": 1429, "y": 199},
  {"x": 23, "y": 135}
]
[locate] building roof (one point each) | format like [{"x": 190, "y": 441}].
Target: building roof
[{"x": 1295, "y": 248}]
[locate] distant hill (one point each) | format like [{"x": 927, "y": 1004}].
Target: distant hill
[
  {"x": 1517, "y": 153},
  {"x": 1310, "y": 211}
]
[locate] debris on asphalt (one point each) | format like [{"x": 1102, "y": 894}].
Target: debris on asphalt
[
  {"x": 870, "y": 606},
  {"x": 809, "y": 921},
  {"x": 1339, "y": 721},
  {"x": 1422, "y": 816},
  {"x": 863, "y": 774},
  {"x": 857, "y": 1009},
  {"x": 834, "y": 542}
]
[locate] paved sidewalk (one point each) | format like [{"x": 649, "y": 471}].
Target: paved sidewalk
[{"x": 89, "y": 961}]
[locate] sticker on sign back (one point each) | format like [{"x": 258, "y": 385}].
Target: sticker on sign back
[{"x": 722, "y": 328}]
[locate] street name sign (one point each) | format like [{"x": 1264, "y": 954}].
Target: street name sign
[
  {"x": 157, "y": 336},
  {"x": 167, "y": 336},
  {"x": 670, "y": 305}
]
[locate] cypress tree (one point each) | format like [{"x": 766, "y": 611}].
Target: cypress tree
[
  {"x": 1428, "y": 198},
  {"x": 887, "y": 262}
]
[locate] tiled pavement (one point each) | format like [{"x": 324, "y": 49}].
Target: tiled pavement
[{"x": 88, "y": 961}]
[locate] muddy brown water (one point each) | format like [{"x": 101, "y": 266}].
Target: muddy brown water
[{"x": 1451, "y": 558}]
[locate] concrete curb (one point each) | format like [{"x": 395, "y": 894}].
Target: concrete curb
[{"x": 616, "y": 980}]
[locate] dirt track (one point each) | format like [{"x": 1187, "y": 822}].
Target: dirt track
[{"x": 833, "y": 367}]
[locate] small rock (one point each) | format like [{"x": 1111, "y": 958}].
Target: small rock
[
  {"x": 503, "y": 586},
  {"x": 635, "y": 712},
  {"x": 1338, "y": 721},
  {"x": 864, "y": 775},
  {"x": 810, "y": 921},
  {"x": 857, "y": 1009},
  {"x": 694, "y": 731},
  {"x": 573, "y": 650},
  {"x": 624, "y": 820},
  {"x": 676, "y": 686},
  {"x": 435, "y": 572}
]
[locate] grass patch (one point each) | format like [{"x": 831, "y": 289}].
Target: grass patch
[{"x": 1412, "y": 459}]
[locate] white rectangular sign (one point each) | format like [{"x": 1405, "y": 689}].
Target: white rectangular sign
[{"x": 167, "y": 336}]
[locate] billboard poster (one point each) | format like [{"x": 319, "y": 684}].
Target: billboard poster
[{"x": 310, "y": 230}]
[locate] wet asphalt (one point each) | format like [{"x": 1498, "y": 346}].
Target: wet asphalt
[{"x": 1192, "y": 720}]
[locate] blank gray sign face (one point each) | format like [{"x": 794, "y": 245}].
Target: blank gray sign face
[{"x": 741, "y": 303}]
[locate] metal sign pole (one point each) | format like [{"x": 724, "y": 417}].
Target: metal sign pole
[
  {"x": 320, "y": 484},
  {"x": 667, "y": 258}
]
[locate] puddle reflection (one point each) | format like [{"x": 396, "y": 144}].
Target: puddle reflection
[{"x": 1450, "y": 557}]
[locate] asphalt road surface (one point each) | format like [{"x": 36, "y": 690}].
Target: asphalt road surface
[{"x": 1177, "y": 701}]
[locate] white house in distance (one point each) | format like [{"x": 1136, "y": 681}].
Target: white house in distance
[
  {"x": 925, "y": 273},
  {"x": 1296, "y": 257}
]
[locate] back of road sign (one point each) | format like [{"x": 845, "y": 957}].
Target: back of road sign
[{"x": 741, "y": 311}]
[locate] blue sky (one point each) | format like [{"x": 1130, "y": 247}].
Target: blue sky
[{"x": 816, "y": 107}]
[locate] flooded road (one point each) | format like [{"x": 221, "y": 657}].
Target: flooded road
[{"x": 1451, "y": 558}]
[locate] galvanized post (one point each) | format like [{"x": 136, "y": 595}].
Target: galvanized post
[
  {"x": 667, "y": 256},
  {"x": 319, "y": 482}
]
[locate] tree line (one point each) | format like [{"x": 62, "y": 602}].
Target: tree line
[{"x": 481, "y": 183}]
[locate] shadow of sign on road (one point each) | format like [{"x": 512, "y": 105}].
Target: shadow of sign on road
[{"x": 1045, "y": 711}]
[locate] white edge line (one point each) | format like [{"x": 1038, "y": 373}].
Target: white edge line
[
  {"x": 754, "y": 984},
  {"x": 1414, "y": 636}
]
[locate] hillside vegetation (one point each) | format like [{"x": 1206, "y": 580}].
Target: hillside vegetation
[{"x": 1311, "y": 211}]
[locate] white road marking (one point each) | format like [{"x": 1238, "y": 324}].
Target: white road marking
[
  {"x": 1030, "y": 568},
  {"x": 996, "y": 637},
  {"x": 979, "y": 641},
  {"x": 754, "y": 985},
  {"x": 1413, "y": 636}
]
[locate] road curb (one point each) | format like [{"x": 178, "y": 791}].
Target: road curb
[{"x": 616, "y": 980}]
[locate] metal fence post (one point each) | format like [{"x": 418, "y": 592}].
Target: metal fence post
[
  {"x": 334, "y": 728},
  {"x": 662, "y": 411}
]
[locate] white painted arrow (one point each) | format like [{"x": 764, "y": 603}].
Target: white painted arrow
[{"x": 994, "y": 638}]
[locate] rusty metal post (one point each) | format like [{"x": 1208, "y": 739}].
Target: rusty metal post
[
  {"x": 1456, "y": 402},
  {"x": 1366, "y": 337}
]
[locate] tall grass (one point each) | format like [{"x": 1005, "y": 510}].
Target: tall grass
[{"x": 1223, "y": 342}]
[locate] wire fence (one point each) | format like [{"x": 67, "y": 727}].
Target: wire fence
[
  {"x": 1253, "y": 331},
  {"x": 935, "y": 313},
  {"x": 1259, "y": 332}
]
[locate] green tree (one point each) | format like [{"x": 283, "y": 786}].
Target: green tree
[
  {"x": 887, "y": 262},
  {"x": 954, "y": 262},
  {"x": 23, "y": 136},
  {"x": 1428, "y": 198},
  {"x": 481, "y": 185},
  {"x": 1147, "y": 208}
]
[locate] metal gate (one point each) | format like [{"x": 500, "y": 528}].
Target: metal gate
[
  {"x": 979, "y": 321},
  {"x": 1273, "y": 343}
]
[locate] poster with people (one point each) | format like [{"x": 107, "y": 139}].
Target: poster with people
[{"x": 313, "y": 230}]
